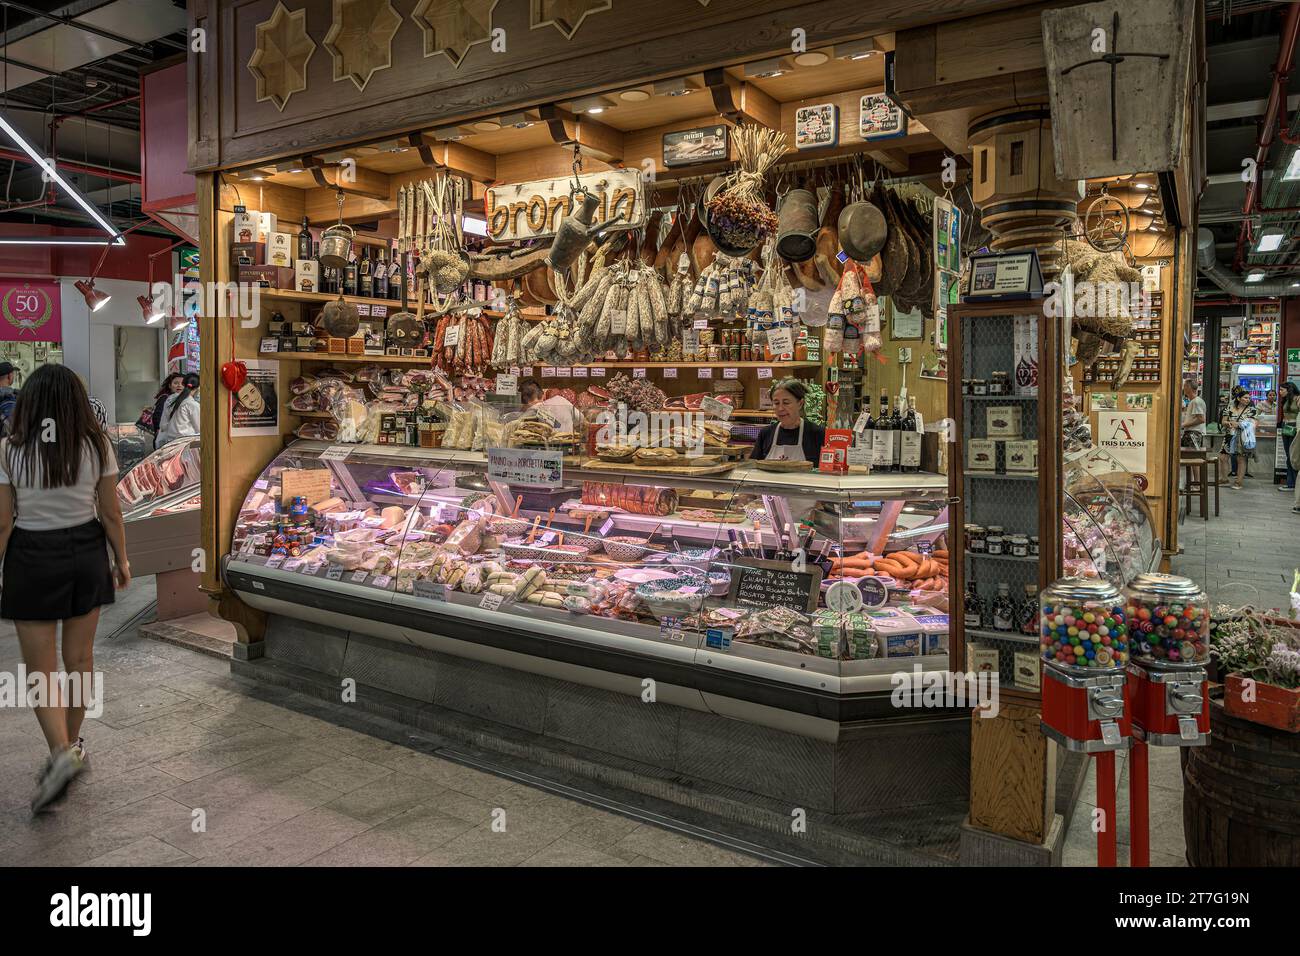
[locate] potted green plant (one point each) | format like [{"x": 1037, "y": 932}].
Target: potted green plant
[{"x": 1260, "y": 664}]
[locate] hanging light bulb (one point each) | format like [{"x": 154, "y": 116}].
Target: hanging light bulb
[{"x": 95, "y": 299}]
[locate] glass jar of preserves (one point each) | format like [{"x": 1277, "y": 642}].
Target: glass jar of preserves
[
  {"x": 1083, "y": 623},
  {"x": 1033, "y": 545},
  {"x": 1171, "y": 620},
  {"x": 965, "y": 386},
  {"x": 976, "y": 539},
  {"x": 996, "y": 543},
  {"x": 979, "y": 387},
  {"x": 1020, "y": 545}
]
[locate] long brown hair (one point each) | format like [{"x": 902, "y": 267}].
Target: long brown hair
[{"x": 53, "y": 402}]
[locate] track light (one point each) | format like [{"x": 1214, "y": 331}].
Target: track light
[
  {"x": 95, "y": 300},
  {"x": 150, "y": 310}
]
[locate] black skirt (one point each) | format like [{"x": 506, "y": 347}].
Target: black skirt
[{"x": 55, "y": 575}]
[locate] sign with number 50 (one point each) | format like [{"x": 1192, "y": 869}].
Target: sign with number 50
[{"x": 29, "y": 310}]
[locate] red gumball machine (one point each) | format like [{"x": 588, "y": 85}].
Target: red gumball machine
[
  {"x": 1167, "y": 680},
  {"x": 1085, "y": 639}
]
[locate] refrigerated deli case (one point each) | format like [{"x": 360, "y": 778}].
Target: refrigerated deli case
[
  {"x": 159, "y": 497},
  {"x": 752, "y": 594}
]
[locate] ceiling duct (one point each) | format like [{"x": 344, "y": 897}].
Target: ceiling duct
[{"x": 1230, "y": 282}]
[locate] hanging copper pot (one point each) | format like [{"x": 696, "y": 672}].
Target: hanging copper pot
[
  {"x": 336, "y": 246},
  {"x": 862, "y": 230},
  {"x": 797, "y": 226}
]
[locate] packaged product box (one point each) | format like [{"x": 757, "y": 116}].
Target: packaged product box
[
  {"x": 1003, "y": 421},
  {"x": 279, "y": 249},
  {"x": 306, "y": 274},
  {"x": 981, "y": 659},
  {"x": 247, "y": 227},
  {"x": 1022, "y": 457},
  {"x": 1028, "y": 672},
  {"x": 247, "y": 254},
  {"x": 981, "y": 454},
  {"x": 268, "y": 223},
  {"x": 272, "y": 277}
]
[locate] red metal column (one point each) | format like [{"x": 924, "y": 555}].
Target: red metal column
[
  {"x": 1106, "y": 837},
  {"x": 1139, "y": 806}
]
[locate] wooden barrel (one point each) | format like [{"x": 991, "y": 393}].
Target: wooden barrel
[{"x": 1241, "y": 795}]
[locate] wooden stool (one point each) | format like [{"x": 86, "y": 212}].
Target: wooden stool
[
  {"x": 1212, "y": 461},
  {"x": 1196, "y": 471}
]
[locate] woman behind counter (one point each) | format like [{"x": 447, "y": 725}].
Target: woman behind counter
[{"x": 791, "y": 437}]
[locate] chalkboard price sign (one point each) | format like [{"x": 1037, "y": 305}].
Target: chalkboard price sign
[{"x": 763, "y": 584}]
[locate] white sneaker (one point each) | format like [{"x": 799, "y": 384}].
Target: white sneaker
[
  {"x": 79, "y": 748},
  {"x": 62, "y": 770}
]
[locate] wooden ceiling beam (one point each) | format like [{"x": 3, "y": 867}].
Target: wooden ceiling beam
[
  {"x": 596, "y": 139},
  {"x": 359, "y": 182}
]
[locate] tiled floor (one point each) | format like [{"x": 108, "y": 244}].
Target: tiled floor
[{"x": 186, "y": 768}]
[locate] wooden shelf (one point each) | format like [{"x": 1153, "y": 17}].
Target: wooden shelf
[
  {"x": 320, "y": 298},
  {"x": 687, "y": 365},
  {"x": 344, "y": 359}
]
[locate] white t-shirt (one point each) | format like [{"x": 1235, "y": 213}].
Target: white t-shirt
[
  {"x": 561, "y": 409},
  {"x": 180, "y": 423},
  {"x": 1195, "y": 406},
  {"x": 48, "y": 509}
]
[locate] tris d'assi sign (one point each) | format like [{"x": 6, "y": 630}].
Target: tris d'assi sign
[
  {"x": 1124, "y": 435},
  {"x": 534, "y": 210}
]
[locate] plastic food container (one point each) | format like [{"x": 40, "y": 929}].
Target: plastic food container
[
  {"x": 1171, "y": 620},
  {"x": 1083, "y": 624}
]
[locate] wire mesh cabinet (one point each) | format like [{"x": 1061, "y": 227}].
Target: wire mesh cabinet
[{"x": 994, "y": 485}]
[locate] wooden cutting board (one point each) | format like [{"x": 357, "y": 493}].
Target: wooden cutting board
[{"x": 714, "y": 467}]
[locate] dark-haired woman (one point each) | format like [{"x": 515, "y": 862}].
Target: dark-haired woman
[
  {"x": 1238, "y": 424},
  {"x": 58, "y": 514},
  {"x": 1288, "y": 413},
  {"x": 171, "y": 385},
  {"x": 180, "y": 416},
  {"x": 790, "y": 437}
]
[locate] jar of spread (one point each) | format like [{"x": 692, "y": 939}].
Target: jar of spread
[
  {"x": 995, "y": 543},
  {"x": 965, "y": 386},
  {"x": 979, "y": 387},
  {"x": 976, "y": 539},
  {"x": 999, "y": 384},
  {"x": 1020, "y": 545},
  {"x": 1033, "y": 545}
]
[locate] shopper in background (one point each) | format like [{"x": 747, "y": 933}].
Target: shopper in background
[
  {"x": 171, "y": 385},
  {"x": 1288, "y": 410},
  {"x": 1294, "y": 461},
  {"x": 57, "y": 469},
  {"x": 1239, "y": 428},
  {"x": 1193, "y": 421},
  {"x": 180, "y": 416},
  {"x": 8, "y": 395},
  {"x": 557, "y": 407}
]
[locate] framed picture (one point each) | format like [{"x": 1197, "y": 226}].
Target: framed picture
[
  {"x": 689, "y": 147},
  {"x": 879, "y": 118},
  {"x": 816, "y": 126}
]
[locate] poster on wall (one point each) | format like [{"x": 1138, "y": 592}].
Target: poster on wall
[
  {"x": 1124, "y": 436},
  {"x": 264, "y": 376},
  {"x": 29, "y": 310}
]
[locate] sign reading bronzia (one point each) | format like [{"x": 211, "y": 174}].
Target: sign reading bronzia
[{"x": 534, "y": 210}]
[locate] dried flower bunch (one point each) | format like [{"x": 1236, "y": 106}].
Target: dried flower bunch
[
  {"x": 1247, "y": 643},
  {"x": 738, "y": 215}
]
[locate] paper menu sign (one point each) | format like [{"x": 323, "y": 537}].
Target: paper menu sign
[
  {"x": 781, "y": 341},
  {"x": 711, "y": 406},
  {"x": 507, "y": 384},
  {"x": 311, "y": 483},
  {"x": 764, "y": 373}
]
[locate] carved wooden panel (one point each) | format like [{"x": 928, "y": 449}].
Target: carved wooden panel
[
  {"x": 280, "y": 56},
  {"x": 361, "y": 39},
  {"x": 566, "y": 15},
  {"x": 453, "y": 26}
]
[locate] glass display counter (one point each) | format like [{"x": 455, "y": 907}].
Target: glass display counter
[
  {"x": 797, "y": 590},
  {"x": 160, "y": 504}
]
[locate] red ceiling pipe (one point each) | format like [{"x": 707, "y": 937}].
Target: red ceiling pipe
[
  {"x": 1276, "y": 104},
  {"x": 100, "y": 106},
  {"x": 99, "y": 171}
]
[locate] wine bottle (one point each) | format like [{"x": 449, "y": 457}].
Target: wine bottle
[
  {"x": 381, "y": 276},
  {"x": 896, "y": 425},
  {"x": 350, "y": 277},
  {"x": 882, "y": 451},
  {"x": 365, "y": 279},
  {"x": 910, "y": 439},
  {"x": 304, "y": 241}
]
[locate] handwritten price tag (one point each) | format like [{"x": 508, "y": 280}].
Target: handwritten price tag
[
  {"x": 336, "y": 453},
  {"x": 491, "y": 601},
  {"x": 334, "y": 573},
  {"x": 638, "y": 373},
  {"x": 700, "y": 324},
  {"x": 731, "y": 373},
  {"x": 548, "y": 371},
  {"x": 597, "y": 373},
  {"x": 764, "y": 373},
  {"x": 705, "y": 372},
  {"x": 670, "y": 373},
  {"x": 451, "y": 337},
  {"x": 275, "y": 560},
  {"x": 359, "y": 577},
  {"x": 564, "y": 373},
  {"x": 431, "y": 590},
  {"x": 579, "y": 372},
  {"x": 293, "y": 564}
]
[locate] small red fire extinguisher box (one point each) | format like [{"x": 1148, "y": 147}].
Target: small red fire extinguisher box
[
  {"x": 1171, "y": 646},
  {"x": 1084, "y": 639}
]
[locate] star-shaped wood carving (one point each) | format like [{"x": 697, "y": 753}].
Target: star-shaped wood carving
[
  {"x": 453, "y": 26},
  {"x": 566, "y": 15},
  {"x": 361, "y": 39},
  {"x": 280, "y": 55}
]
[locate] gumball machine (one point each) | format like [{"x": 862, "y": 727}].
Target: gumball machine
[
  {"x": 1171, "y": 647},
  {"x": 1084, "y": 640},
  {"x": 1170, "y": 631}
]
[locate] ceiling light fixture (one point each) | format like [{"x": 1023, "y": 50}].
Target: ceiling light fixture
[
  {"x": 95, "y": 299},
  {"x": 766, "y": 69},
  {"x": 590, "y": 104},
  {"x": 149, "y": 309},
  {"x": 1270, "y": 240},
  {"x": 52, "y": 175},
  {"x": 1255, "y": 275},
  {"x": 487, "y": 126},
  {"x": 1293, "y": 167},
  {"x": 856, "y": 50},
  {"x": 677, "y": 86},
  {"x": 637, "y": 95},
  {"x": 811, "y": 58}
]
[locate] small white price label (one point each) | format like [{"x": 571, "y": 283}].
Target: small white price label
[
  {"x": 451, "y": 337},
  {"x": 731, "y": 373},
  {"x": 334, "y": 573},
  {"x": 507, "y": 384},
  {"x": 861, "y": 423},
  {"x": 293, "y": 564},
  {"x": 275, "y": 560},
  {"x": 638, "y": 373},
  {"x": 705, "y": 372},
  {"x": 764, "y": 373},
  {"x": 312, "y": 569},
  {"x": 700, "y": 324},
  {"x": 431, "y": 590},
  {"x": 618, "y": 323},
  {"x": 548, "y": 371},
  {"x": 363, "y": 309},
  {"x": 597, "y": 373},
  {"x": 670, "y": 373},
  {"x": 382, "y": 580},
  {"x": 546, "y": 538},
  {"x": 711, "y": 406},
  {"x": 607, "y": 527},
  {"x": 579, "y": 371},
  {"x": 564, "y": 373},
  {"x": 379, "y": 311},
  {"x": 260, "y": 484},
  {"x": 359, "y": 577},
  {"x": 336, "y": 453},
  {"x": 491, "y": 601}
]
